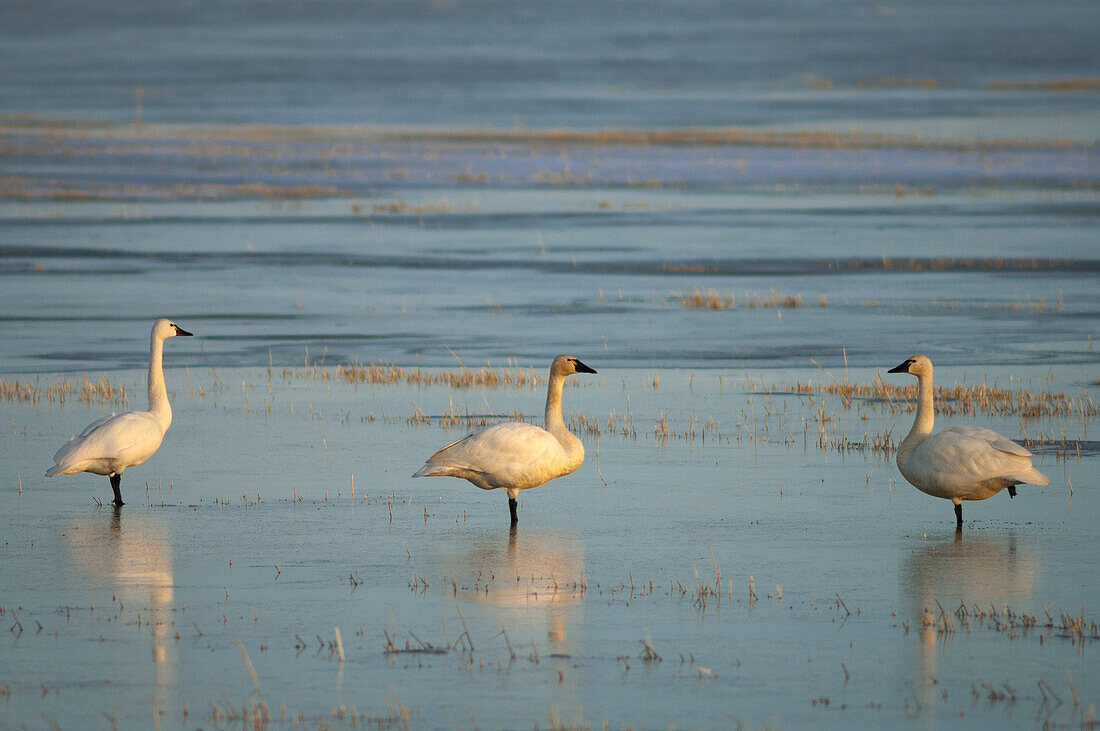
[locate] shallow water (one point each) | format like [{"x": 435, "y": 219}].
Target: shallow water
[
  {"x": 278, "y": 279},
  {"x": 265, "y": 542},
  {"x": 385, "y": 183},
  {"x": 905, "y": 64}
]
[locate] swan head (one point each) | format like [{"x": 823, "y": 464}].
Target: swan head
[
  {"x": 917, "y": 365},
  {"x": 165, "y": 328},
  {"x": 565, "y": 365}
]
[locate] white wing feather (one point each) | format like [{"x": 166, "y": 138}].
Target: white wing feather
[
  {"x": 125, "y": 439},
  {"x": 959, "y": 457},
  {"x": 510, "y": 455},
  {"x": 995, "y": 440}
]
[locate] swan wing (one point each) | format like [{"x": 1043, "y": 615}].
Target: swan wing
[
  {"x": 61, "y": 457},
  {"x": 95, "y": 425},
  {"x": 127, "y": 439},
  {"x": 512, "y": 454},
  {"x": 959, "y": 457},
  {"x": 995, "y": 440}
]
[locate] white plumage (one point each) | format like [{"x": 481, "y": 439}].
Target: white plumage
[
  {"x": 960, "y": 462},
  {"x": 111, "y": 444},
  {"x": 515, "y": 455}
]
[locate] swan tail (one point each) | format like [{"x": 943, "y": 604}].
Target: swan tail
[
  {"x": 61, "y": 469},
  {"x": 444, "y": 469},
  {"x": 1035, "y": 477},
  {"x": 1030, "y": 476},
  {"x": 434, "y": 468}
]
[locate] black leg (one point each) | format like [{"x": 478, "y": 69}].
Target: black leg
[
  {"x": 959, "y": 516},
  {"x": 512, "y": 508},
  {"x": 1012, "y": 491},
  {"x": 115, "y": 481}
]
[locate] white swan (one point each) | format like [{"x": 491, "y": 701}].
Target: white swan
[
  {"x": 516, "y": 455},
  {"x": 960, "y": 462},
  {"x": 111, "y": 444}
]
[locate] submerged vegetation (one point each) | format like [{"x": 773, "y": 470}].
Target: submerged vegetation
[
  {"x": 713, "y": 300},
  {"x": 100, "y": 392},
  {"x": 219, "y": 162},
  {"x": 831, "y": 415},
  {"x": 199, "y": 137},
  {"x": 956, "y": 399},
  {"x": 389, "y": 374}
]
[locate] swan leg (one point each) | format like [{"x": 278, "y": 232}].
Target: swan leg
[
  {"x": 1012, "y": 491},
  {"x": 116, "y": 480},
  {"x": 958, "y": 516},
  {"x": 512, "y": 507}
]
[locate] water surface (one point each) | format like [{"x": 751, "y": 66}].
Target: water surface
[{"x": 455, "y": 184}]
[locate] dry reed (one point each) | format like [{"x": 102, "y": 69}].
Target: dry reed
[
  {"x": 713, "y": 300},
  {"x": 100, "y": 392},
  {"x": 957, "y": 398}
]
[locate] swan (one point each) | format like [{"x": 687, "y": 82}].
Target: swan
[
  {"x": 111, "y": 444},
  {"x": 516, "y": 455},
  {"x": 960, "y": 462}
]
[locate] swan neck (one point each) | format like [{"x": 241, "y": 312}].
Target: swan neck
[
  {"x": 552, "y": 421},
  {"x": 926, "y": 411},
  {"x": 159, "y": 406}
]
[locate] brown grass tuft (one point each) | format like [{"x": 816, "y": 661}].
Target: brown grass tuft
[{"x": 712, "y": 300}]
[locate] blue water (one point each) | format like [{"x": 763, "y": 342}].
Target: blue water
[
  {"x": 381, "y": 181},
  {"x": 338, "y": 182},
  {"x": 574, "y": 63}
]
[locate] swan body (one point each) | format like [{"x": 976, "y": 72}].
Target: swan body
[
  {"x": 515, "y": 455},
  {"x": 109, "y": 445},
  {"x": 960, "y": 462}
]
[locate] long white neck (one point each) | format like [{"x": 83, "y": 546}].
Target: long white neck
[
  {"x": 922, "y": 421},
  {"x": 552, "y": 421},
  {"x": 158, "y": 394}
]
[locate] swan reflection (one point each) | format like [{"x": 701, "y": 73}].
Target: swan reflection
[
  {"x": 131, "y": 557},
  {"x": 972, "y": 570},
  {"x": 535, "y": 577}
]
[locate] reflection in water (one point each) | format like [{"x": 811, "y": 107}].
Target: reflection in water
[
  {"x": 535, "y": 576},
  {"x": 131, "y": 556},
  {"x": 982, "y": 570}
]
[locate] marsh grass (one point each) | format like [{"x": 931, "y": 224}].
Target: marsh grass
[
  {"x": 391, "y": 375},
  {"x": 949, "y": 264},
  {"x": 1013, "y": 624},
  {"x": 952, "y": 400},
  {"x": 13, "y": 188},
  {"x": 1078, "y": 85},
  {"x": 442, "y": 206},
  {"x": 1025, "y": 305},
  {"x": 828, "y": 426},
  {"x": 255, "y": 715},
  {"x": 98, "y": 392},
  {"x": 711, "y": 299},
  {"x": 198, "y": 137}
]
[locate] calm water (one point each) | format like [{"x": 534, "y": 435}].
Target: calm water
[
  {"x": 574, "y": 63},
  {"x": 140, "y": 611},
  {"x": 412, "y": 210}
]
